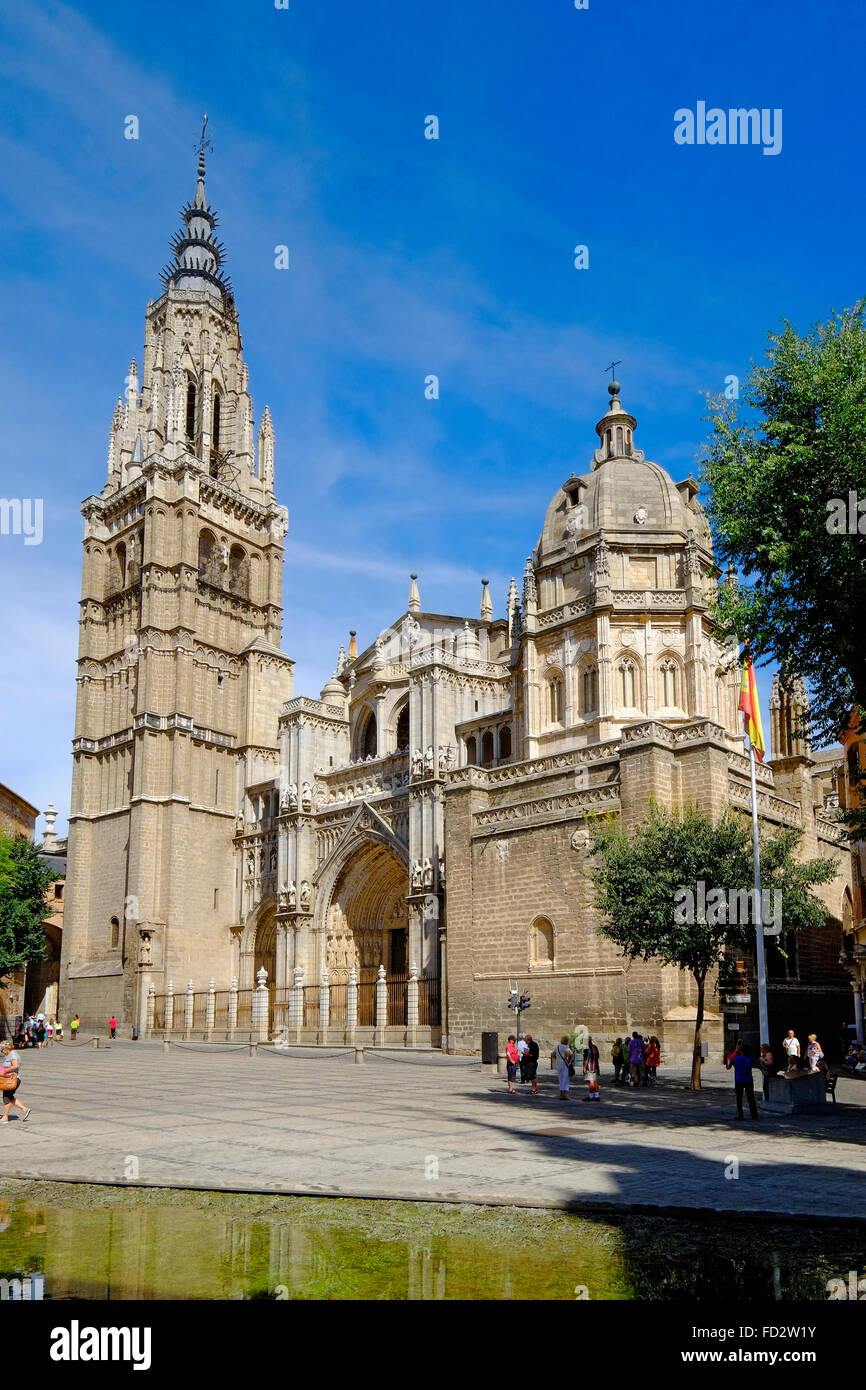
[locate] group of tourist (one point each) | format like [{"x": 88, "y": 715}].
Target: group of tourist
[
  {"x": 521, "y": 1054},
  {"x": 855, "y": 1057},
  {"x": 636, "y": 1061},
  {"x": 36, "y": 1031}
]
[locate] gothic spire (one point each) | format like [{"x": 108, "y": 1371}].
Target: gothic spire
[{"x": 198, "y": 256}]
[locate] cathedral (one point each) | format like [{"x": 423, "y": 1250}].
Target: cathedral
[{"x": 382, "y": 864}]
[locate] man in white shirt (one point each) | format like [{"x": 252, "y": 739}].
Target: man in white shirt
[
  {"x": 791, "y": 1044},
  {"x": 522, "y": 1049}
]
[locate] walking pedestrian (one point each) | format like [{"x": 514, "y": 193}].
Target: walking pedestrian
[
  {"x": 40, "y": 1031},
  {"x": 617, "y": 1056},
  {"x": 815, "y": 1053},
  {"x": 637, "y": 1059},
  {"x": 74, "y": 1026},
  {"x": 653, "y": 1058},
  {"x": 58, "y": 1031},
  {"x": 791, "y": 1045},
  {"x": 112, "y": 1025},
  {"x": 591, "y": 1069},
  {"x": 511, "y": 1060},
  {"x": 10, "y": 1066},
  {"x": 530, "y": 1063},
  {"x": 743, "y": 1079},
  {"x": 521, "y": 1058},
  {"x": 561, "y": 1057}
]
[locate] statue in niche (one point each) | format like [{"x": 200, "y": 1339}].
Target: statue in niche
[
  {"x": 144, "y": 954},
  {"x": 306, "y": 893},
  {"x": 442, "y": 870},
  {"x": 239, "y": 822},
  {"x": 429, "y": 760},
  {"x": 417, "y": 875},
  {"x": 291, "y": 796},
  {"x": 427, "y": 874},
  {"x": 417, "y": 763},
  {"x": 306, "y": 797},
  {"x": 284, "y": 896},
  {"x": 291, "y": 894},
  {"x": 272, "y": 861}
]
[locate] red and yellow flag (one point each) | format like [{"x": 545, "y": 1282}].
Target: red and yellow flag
[{"x": 750, "y": 707}]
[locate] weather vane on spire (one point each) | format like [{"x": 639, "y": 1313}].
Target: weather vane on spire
[
  {"x": 203, "y": 144},
  {"x": 610, "y": 368}
]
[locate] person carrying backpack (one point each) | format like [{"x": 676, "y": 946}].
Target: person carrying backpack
[{"x": 591, "y": 1069}]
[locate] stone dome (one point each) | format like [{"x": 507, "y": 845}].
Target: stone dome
[{"x": 625, "y": 495}]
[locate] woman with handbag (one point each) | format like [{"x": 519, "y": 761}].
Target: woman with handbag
[
  {"x": 10, "y": 1080},
  {"x": 562, "y": 1058}
]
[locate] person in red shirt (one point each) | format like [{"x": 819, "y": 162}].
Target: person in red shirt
[
  {"x": 112, "y": 1024},
  {"x": 511, "y": 1060},
  {"x": 653, "y": 1058}
]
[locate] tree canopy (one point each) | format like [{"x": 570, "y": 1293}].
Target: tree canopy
[
  {"x": 785, "y": 471},
  {"x": 24, "y": 880}
]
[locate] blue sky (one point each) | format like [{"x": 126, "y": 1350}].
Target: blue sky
[{"x": 408, "y": 257}]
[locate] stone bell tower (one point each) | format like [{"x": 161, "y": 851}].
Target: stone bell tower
[{"x": 180, "y": 675}]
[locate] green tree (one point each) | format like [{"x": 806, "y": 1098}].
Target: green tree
[
  {"x": 24, "y": 880},
  {"x": 785, "y": 471},
  {"x": 639, "y": 880}
]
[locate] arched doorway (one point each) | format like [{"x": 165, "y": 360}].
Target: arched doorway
[{"x": 368, "y": 925}]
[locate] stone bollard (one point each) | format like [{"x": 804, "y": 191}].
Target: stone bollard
[
  {"x": 324, "y": 1007},
  {"x": 260, "y": 1007},
  {"x": 412, "y": 1007},
  {"x": 352, "y": 1006},
  {"x": 381, "y": 1007},
  {"x": 150, "y": 1013},
  {"x": 359, "y": 1056},
  {"x": 94, "y": 1042},
  {"x": 296, "y": 1003},
  {"x": 210, "y": 1011},
  {"x": 254, "y": 1049},
  {"x": 189, "y": 1010},
  {"x": 233, "y": 1007},
  {"x": 169, "y": 1007},
  {"x": 166, "y": 1045}
]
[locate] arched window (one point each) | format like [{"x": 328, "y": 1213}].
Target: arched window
[
  {"x": 607, "y": 437},
  {"x": 504, "y": 743},
  {"x": 554, "y": 698},
  {"x": 403, "y": 728},
  {"x": 368, "y": 745},
  {"x": 115, "y": 933},
  {"x": 541, "y": 944},
  {"x": 619, "y": 448},
  {"x": 190, "y": 410},
  {"x": 120, "y": 565},
  {"x": 628, "y": 685},
  {"x": 217, "y": 412},
  {"x": 668, "y": 683},
  {"x": 207, "y": 557},
  {"x": 471, "y": 752},
  {"x": 487, "y": 748},
  {"x": 589, "y": 684},
  {"x": 239, "y": 572}
]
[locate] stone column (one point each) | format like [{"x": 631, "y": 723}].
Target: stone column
[
  {"x": 381, "y": 1008},
  {"x": 281, "y": 976},
  {"x": 324, "y": 1006},
  {"x": 296, "y": 1003},
  {"x": 210, "y": 1013},
  {"x": 233, "y": 1007},
  {"x": 412, "y": 1007},
  {"x": 858, "y": 1010},
  {"x": 443, "y": 987},
  {"x": 150, "y": 1010},
  {"x": 169, "y": 1008},
  {"x": 352, "y": 1005},
  {"x": 188, "y": 1012}
]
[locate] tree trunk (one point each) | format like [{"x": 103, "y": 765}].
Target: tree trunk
[{"x": 699, "y": 1022}]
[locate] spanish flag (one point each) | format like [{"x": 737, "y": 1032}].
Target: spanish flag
[{"x": 750, "y": 707}]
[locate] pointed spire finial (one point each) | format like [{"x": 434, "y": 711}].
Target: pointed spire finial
[
  {"x": 486, "y": 602},
  {"x": 353, "y": 645},
  {"x": 414, "y": 595}
]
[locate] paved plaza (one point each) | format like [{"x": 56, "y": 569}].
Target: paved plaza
[{"x": 420, "y": 1126}]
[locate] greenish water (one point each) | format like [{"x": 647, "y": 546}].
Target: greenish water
[{"x": 106, "y": 1243}]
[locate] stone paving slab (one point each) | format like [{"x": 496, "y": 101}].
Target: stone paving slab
[{"x": 421, "y": 1127}]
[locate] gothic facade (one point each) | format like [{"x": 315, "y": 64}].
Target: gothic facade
[{"x": 414, "y": 839}]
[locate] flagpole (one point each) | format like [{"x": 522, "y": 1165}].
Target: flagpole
[{"x": 763, "y": 1018}]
